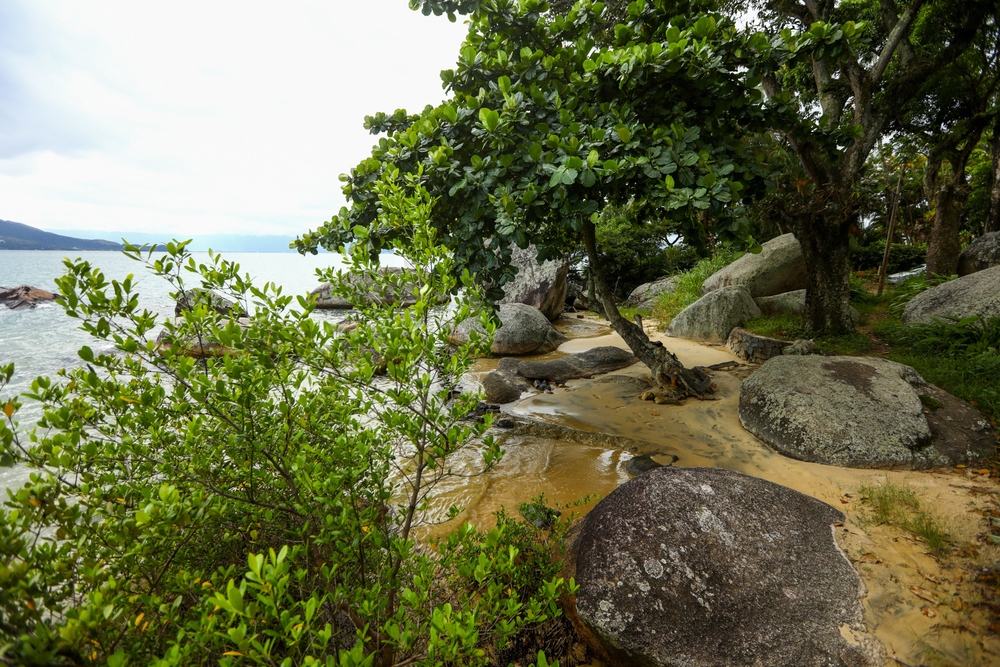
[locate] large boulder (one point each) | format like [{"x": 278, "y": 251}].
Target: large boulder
[
  {"x": 981, "y": 254},
  {"x": 644, "y": 296},
  {"x": 704, "y": 567},
  {"x": 975, "y": 294},
  {"x": 538, "y": 284},
  {"x": 24, "y": 297},
  {"x": 714, "y": 315},
  {"x": 595, "y": 361},
  {"x": 523, "y": 330},
  {"x": 400, "y": 293},
  {"x": 860, "y": 412},
  {"x": 779, "y": 267}
]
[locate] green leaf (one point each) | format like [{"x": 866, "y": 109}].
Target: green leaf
[
  {"x": 489, "y": 118},
  {"x": 623, "y": 133}
]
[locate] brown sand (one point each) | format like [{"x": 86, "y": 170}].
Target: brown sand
[{"x": 951, "y": 629}]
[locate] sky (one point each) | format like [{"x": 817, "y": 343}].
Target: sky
[{"x": 197, "y": 117}]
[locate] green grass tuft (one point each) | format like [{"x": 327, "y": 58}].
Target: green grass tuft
[
  {"x": 898, "y": 505},
  {"x": 689, "y": 286}
]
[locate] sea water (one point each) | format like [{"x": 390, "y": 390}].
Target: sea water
[{"x": 42, "y": 340}]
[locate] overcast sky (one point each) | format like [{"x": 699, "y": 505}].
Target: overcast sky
[{"x": 201, "y": 117}]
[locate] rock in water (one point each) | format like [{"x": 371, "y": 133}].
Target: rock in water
[
  {"x": 713, "y": 316},
  {"x": 779, "y": 267},
  {"x": 399, "y": 293},
  {"x": 704, "y": 567},
  {"x": 981, "y": 254},
  {"x": 523, "y": 330},
  {"x": 539, "y": 284},
  {"x": 860, "y": 412},
  {"x": 24, "y": 297},
  {"x": 595, "y": 361},
  {"x": 975, "y": 294}
]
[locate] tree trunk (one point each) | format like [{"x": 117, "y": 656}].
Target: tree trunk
[
  {"x": 993, "y": 214},
  {"x": 674, "y": 382},
  {"x": 944, "y": 246},
  {"x": 826, "y": 249}
]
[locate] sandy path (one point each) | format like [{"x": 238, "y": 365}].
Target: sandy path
[{"x": 952, "y": 631}]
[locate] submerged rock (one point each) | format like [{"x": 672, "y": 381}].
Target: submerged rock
[
  {"x": 523, "y": 330},
  {"x": 859, "y": 412},
  {"x": 712, "y": 317},
  {"x": 704, "y": 567},
  {"x": 24, "y": 297},
  {"x": 595, "y": 361},
  {"x": 779, "y": 267},
  {"x": 975, "y": 294}
]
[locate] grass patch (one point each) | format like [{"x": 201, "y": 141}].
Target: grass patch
[
  {"x": 668, "y": 305},
  {"x": 775, "y": 326},
  {"x": 898, "y": 505},
  {"x": 961, "y": 357}
]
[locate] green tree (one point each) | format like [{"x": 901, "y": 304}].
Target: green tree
[
  {"x": 257, "y": 506},
  {"x": 839, "y": 73},
  {"x": 543, "y": 127}
]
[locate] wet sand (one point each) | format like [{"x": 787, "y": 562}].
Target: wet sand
[{"x": 949, "y": 628}]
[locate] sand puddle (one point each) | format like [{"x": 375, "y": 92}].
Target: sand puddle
[{"x": 926, "y": 610}]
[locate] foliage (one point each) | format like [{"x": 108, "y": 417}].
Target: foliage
[
  {"x": 256, "y": 506},
  {"x": 898, "y": 505},
  {"x": 902, "y": 257},
  {"x": 632, "y": 250},
  {"x": 960, "y": 356},
  {"x": 543, "y": 127},
  {"x": 688, "y": 284}
]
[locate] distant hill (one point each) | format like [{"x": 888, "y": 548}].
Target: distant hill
[
  {"x": 217, "y": 242},
  {"x": 15, "y": 236}
]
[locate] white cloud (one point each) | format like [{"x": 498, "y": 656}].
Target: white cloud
[{"x": 200, "y": 117}]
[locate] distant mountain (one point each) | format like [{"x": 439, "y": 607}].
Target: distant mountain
[
  {"x": 217, "y": 242},
  {"x": 15, "y": 236}
]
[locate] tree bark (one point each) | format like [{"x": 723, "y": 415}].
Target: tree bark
[
  {"x": 673, "y": 381},
  {"x": 826, "y": 249},
  {"x": 943, "y": 246},
  {"x": 993, "y": 215}
]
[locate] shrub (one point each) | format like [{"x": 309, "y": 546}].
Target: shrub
[
  {"x": 256, "y": 507},
  {"x": 668, "y": 305},
  {"x": 901, "y": 257}
]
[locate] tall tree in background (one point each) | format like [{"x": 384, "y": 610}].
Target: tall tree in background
[
  {"x": 842, "y": 71},
  {"x": 960, "y": 103}
]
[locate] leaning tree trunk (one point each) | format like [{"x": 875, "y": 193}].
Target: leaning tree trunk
[
  {"x": 673, "y": 380},
  {"x": 827, "y": 253}
]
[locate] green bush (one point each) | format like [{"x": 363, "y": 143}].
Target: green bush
[
  {"x": 257, "y": 506},
  {"x": 901, "y": 257},
  {"x": 668, "y": 305},
  {"x": 633, "y": 253}
]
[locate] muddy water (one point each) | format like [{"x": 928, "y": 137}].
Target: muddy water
[{"x": 949, "y": 628}]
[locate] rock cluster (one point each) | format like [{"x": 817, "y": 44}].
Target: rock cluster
[
  {"x": 644, "y": 296},
  {"x": 400, "y": 293},
  {"x": 24, "y": 297},
  {"x": 513, "y": 376},
  {"x": 704, "y": 567}
]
